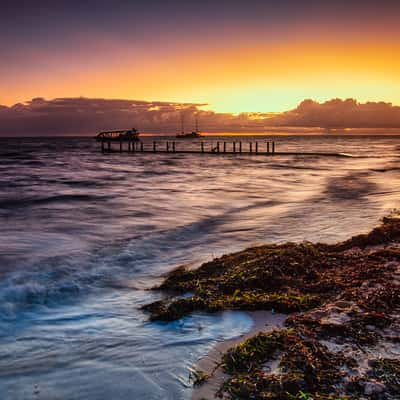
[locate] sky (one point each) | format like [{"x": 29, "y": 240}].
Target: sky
[{"x": 230, "y": 56}]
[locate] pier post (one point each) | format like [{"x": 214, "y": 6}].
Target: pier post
[
  {"x": 217, "y": 147},
  {"x": 167, "y": 146},
  {"x": 234, "y": 147},
  {"x": 273, "y": 147},
  {"x": 240, "y": 147},
  {"x": 120, "y": 145},
  {"x": 251, "y": 147},
  {"x": 102, "y": 146},
  {"x": 141, "y": 147},
  {"x": 154, "y": 147},
  {"x": 202, "y": 147},
  {"x": 173, "y": 147},
  {"x": 109, "y": 145},
  {"x": 224, "y": 147},
  {"x": 267, "y": 147},
  {"x": 256, "y": 147}
]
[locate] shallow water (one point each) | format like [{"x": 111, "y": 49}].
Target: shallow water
[{"x": 83, "y": 235}]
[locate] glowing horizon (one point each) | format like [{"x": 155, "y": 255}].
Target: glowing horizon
[{"x": 264, "y": 58}]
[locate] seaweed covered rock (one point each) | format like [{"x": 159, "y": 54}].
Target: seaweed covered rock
[
  {"x": 343, "y": 304},
  {"x": 288, "y": 278},
  {"x": 304, "y": 365},
  {"x": 388, "y": 232}
]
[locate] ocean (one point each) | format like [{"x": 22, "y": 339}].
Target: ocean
[{"x": 85, "y": 235}]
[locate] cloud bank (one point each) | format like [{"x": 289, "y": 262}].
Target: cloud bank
[
  {"x": 85, "y": 116},
  {"x": 339, "y": 113}
]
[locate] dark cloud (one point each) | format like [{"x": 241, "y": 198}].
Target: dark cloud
[
  {"x": 339, "y": 113},
  {"x": 77, "y": 116}
]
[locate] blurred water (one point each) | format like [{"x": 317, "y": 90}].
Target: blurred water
[{"x": 83, "y": 235}]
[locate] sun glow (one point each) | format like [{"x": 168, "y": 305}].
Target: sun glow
[{"x": 263, "y": 76}]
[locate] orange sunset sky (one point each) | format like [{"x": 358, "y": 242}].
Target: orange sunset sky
[{"x": 235, "y": 57}]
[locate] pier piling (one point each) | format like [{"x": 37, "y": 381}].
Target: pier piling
[{"x": 116, "y": 145}]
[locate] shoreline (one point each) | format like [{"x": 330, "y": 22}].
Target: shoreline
[
  {"x": 340, "y": 339},
  {"x": 263, "y": 321}
]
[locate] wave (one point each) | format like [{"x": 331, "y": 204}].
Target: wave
[
  {"x": 52, "y": 281},
  {"x": 19, "y": 155},
  {"x": 299, "y": 167},
  {"x": 388, "y": 169},
  {"x": 83, "y": 184},
  {"x": 61, "y": 198},
  {"x": 62, "y": 278}
]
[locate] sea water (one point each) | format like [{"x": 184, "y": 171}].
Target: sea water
[{"x": 84, "y": 236}]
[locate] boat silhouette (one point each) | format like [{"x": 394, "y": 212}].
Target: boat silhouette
[{"x": 192, "y": 135}]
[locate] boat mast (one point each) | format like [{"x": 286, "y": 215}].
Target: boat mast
[
  {"x": 182, "y": 123},
  {"x": 196, "y": 123}
]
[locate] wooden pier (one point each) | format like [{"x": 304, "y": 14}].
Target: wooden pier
[{"x": 269, "y": 148}]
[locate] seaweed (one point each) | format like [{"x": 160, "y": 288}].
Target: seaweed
[
  {"x": 305, "y": 366},
  {"x": 342, "y": 293},
  {"x": 253, "y": 352},
  {"x": 286, "y": 278},
  {"x": 198, "y": 377},
  {"x": 388, "y": 371}
]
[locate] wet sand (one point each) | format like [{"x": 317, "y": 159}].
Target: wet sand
[{"x": 264, "y": 321}]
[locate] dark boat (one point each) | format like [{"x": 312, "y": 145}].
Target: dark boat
[
  {"x": 192, "y": 135},
  {"x": 124, "y": 135}
]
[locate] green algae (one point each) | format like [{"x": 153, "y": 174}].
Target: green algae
[
  {"x": 304, "y": 366},
  {"x": 172, "y": 310},
  {"x": 254, "y": 351}
]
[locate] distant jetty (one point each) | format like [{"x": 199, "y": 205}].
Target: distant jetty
[
  {"x": 127, "y": 141},
  {"x": 126, "y": 135}
]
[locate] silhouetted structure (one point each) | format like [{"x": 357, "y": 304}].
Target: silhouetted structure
[{"x": 214, "y": 148}]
